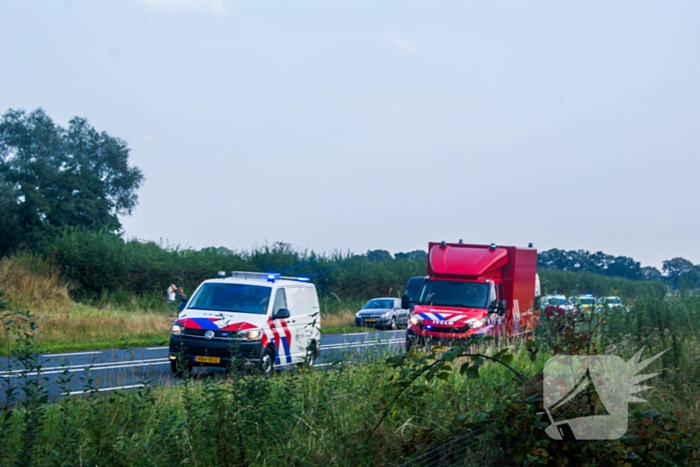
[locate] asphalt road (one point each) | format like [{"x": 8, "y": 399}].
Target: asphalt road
[{"x": 125, "y": 369}]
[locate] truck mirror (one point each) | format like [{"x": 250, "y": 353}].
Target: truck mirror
[
  {"x": 405, "y": 302},
  {"x": 501, "y": 308},
  {"x": 282, "y": 313}
]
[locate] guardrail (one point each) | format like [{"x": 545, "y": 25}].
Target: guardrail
[{"x": 465, "y": 451}]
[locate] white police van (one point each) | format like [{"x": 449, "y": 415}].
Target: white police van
[{"x": 265, "y": 319}]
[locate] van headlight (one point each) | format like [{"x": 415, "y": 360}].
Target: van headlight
[
  {"x": 177, "y": 329},
  {"x": 250, "y": 335}
]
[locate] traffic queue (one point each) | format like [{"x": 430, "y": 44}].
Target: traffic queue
[{"x": 272, "y": 321}]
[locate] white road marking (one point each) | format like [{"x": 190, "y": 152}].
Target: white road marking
[
  {"x": 96, "y": 366},
  {"x": 162, "y": 361},
  {"x": 73, "y": 393},
  {"x": 359, "y": 344},
  {"x": 49, "y": 355}
]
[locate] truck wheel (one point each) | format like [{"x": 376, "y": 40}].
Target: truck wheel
[{"x": 267, "y": 361}]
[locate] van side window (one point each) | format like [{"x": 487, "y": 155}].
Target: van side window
[{"x": 280, "y": 301}]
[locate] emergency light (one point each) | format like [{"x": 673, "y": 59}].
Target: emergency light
[{"x": 270, "y": 277}]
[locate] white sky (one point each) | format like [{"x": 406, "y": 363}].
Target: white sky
[{"x": 383, "y": 125}]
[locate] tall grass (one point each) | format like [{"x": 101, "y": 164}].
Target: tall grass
[
  {"x": 31, "y": 282},
  {"x": 322, "y": 417}
]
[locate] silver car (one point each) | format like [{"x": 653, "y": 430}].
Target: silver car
[{"x": 382, "y": 312}]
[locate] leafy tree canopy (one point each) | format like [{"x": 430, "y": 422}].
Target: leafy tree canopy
[
  {"x": 53, "y": 177},
  {"x": 582, "y": 260}
]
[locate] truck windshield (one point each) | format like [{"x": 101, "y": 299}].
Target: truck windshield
[
  {"x": 454, "y": 293},
  {"x": 241, "y": 298}
]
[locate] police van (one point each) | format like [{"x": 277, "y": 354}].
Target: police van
[{"x": 263, "y": 319}]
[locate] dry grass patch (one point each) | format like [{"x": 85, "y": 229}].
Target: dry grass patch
[
  {"x": 79, "y": 323},
  {"x": 31, "y": 282},
  {"x": 339, "y": 319}
]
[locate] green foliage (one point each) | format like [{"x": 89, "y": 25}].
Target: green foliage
[
  {"x": 53, "y": 177},
  {"x": 574, "y": 283},
  {"x": 107, "y": 268},
  {"x": 584, "y": 261},
  {"x": 375, "y": 412}
]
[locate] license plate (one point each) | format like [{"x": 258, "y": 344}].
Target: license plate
[
  {"x": 370, "y": 321},
  {"x": 199, "y": 359},
  {"x": 440, "y": 348}
]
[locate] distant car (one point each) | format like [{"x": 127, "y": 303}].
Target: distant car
[
  {"x": 413, "y": 288},
  {"x": 382, "y": 312},
  {"x": 586, "y": 302},
  {"x": 612, "y": 303},
  {"x": 557, "y": 301}
]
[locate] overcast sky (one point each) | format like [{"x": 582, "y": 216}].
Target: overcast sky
[{"x": 383, "y": 125}]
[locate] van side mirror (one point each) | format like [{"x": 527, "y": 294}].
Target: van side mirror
[
  {"x": 282, "y": 313},
  {"x": 405, "y": 302}
]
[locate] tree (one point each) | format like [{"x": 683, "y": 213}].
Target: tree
[
  {"x": 53, "y": 177},
  {"x": 680, "y": 272},
  {"x": 650, "y": 273},
  {"x": 415, "y": 255},
  {"x": 378, "y": 255}
]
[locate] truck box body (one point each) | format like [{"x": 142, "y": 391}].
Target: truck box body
[{"x": 465, "y": 282}]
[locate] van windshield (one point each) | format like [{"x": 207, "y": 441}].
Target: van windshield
[
  {"x": 454, "y": 293},
  {"x": 240, "y": 298}
]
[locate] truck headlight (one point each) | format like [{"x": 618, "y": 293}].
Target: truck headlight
[
  {"x": 415, "y": 321},
  {"x": 177, "y": 329},
  {"x": 479, "y": 323},
  {"x": 250, "y": 335}
]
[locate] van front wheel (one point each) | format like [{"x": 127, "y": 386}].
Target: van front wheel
[
  {"x": 179, "y": 368},
  {"x": 267, "y": 361}
]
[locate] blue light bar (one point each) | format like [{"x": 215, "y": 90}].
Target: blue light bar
[
  {"x": 272, "y": 277},
  {"x": 303, "y": 279},
  {"x": 589, "y": 295}
]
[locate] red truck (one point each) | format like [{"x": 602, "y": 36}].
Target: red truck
[{"x": 473, "y": 290}]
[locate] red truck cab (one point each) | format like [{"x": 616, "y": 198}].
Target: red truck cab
[{"x": 474, "y": 290}]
